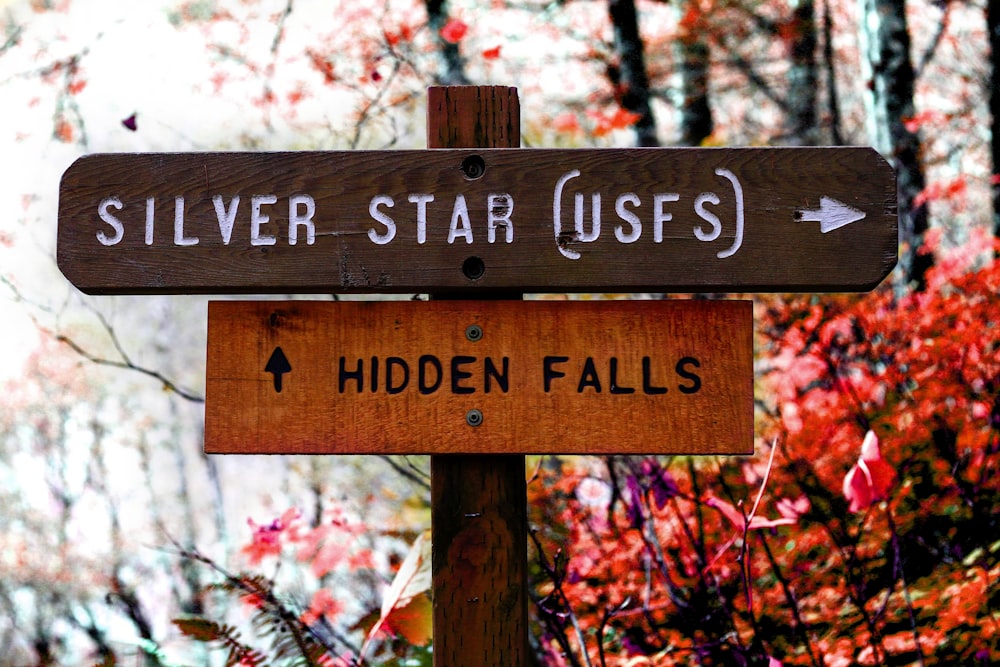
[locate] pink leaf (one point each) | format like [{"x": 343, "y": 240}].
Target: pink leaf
[
  {"x": 740, "y": 522},
  {"x": 566, "y": 122},
  {"x": 870, "y": 479}
]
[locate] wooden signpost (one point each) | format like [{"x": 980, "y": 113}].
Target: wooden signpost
[
  {"x": 473, "y": 377},
  {"x": 480, "y": 220},
  {"x": 479, "y": 383}
]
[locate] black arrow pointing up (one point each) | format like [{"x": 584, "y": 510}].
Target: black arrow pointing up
[{"x": 278, "y": 365}]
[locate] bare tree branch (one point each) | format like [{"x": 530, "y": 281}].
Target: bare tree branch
[
  {"x": 412, "y": 473},
  {"x": 125, "y": 362},
  {"x": 13, "y": 37},
  {"x": 935, "y": 40}
]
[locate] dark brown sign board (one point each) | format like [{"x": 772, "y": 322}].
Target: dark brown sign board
[
  {"x": 474, "y": 377},
  {"x": 490, "y": 220}
]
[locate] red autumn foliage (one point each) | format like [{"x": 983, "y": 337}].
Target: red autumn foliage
[
  {"x": 605, "y": 123},
  {"x": 453, "y": 31},
  {"x": 954, "y": 189},
  {"x": 393, "y": 620},
  {"x": 882, "y": 549},
  {"x": 870, "y": 540},
  {"x": 404, "y": 33},
  {"x": 322, "y": 65}
]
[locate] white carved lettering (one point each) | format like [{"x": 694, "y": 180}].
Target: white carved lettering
[
  {"x": 421, "y": 200},
  {"x": 380, "y": 217},
  {"x": 106, "y": 216},
  {"x": 259, "y": 218},
  {"x": 149, "y": 220},
  {"x": 296, "y": 220},
  {"x": 595, "y": 217},
  {"x": 500, "y": 207},
  {"x": 557, "y": 214},
  {"x": 628, "y": 216},
  {"x": 179, "y": 238},
  {"x": 708, "y": 216},
  {"x": 738, "y": 189},
  {"x": 659, "y": 215},
  {"x": 226, "y": 216},
  {"x": 460, "y": 214}
]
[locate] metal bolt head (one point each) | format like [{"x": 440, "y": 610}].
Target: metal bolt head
[
  {"x": 473, "y": 268},
  {"x": 473, "y": 167},
  {"x": 474, "y": 333},
  {"x": 474, "y": 417}
]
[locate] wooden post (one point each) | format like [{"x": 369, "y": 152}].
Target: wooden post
[{"x": 478, "y": 502}]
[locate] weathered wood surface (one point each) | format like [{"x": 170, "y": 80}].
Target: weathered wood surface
[
  {"x": 480, "y": 570},
  {"x": 668, "y": 221},
  {"x": 479, "y": 509},
  {"x": 585, "y": 377}
]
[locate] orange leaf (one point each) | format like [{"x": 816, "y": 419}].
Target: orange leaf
[
  {"x": 64, "y": 130},
  {"x": 411, "y": 583},
  {"x": 413, "y": 622}
]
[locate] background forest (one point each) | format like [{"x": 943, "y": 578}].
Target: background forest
[{"x": 866, "y": 529}]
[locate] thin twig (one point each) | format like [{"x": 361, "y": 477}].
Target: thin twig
[
  {"x": 127, "y": 364},
  {"x": 413, "y": 475},
  {"x": 898, "y": 569},
  {"x": 932, "y": 47}
]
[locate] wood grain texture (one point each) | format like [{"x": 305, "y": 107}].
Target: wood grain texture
[
  {"x": 480, "y": 570},
  {"x": 479, "y": 507},
  {"x": 622, "y": 377},
  {"x": 780, "y": 251}
]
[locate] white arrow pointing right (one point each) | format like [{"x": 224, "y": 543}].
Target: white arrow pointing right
[{"x": 831, "y": 214}]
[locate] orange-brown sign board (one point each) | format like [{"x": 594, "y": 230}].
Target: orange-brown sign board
[
  {"x": 475, "y": 221},
  {"x": 440, "y": 377}
]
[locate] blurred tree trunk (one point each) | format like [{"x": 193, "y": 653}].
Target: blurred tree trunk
[
  {"x": 452, "y": 72},
  {"x": 803, "y": 127},
  {"x": 629, "y": 77},
  {"x": 829, "y": 63},
  {"x": 697, "y": 123},
  {"x": 993, "y": 26},
  {"x": 885, "y": 57}
]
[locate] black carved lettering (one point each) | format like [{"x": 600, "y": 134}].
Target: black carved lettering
[
  {"x": 343, "y": 375},
  {"x": 549, "y": 373},
  {"x": 615, "y": 387},
  {"x": 491, "y": 373},
  {"x": 422, "y": 365},
  {"x": 695, "y": 379},
  {"x": 647, "y": 380},
  {"x": 457, "y": 374},
  {"x": 589, "y": 378},
  {"x": 396, "y": 363}
]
